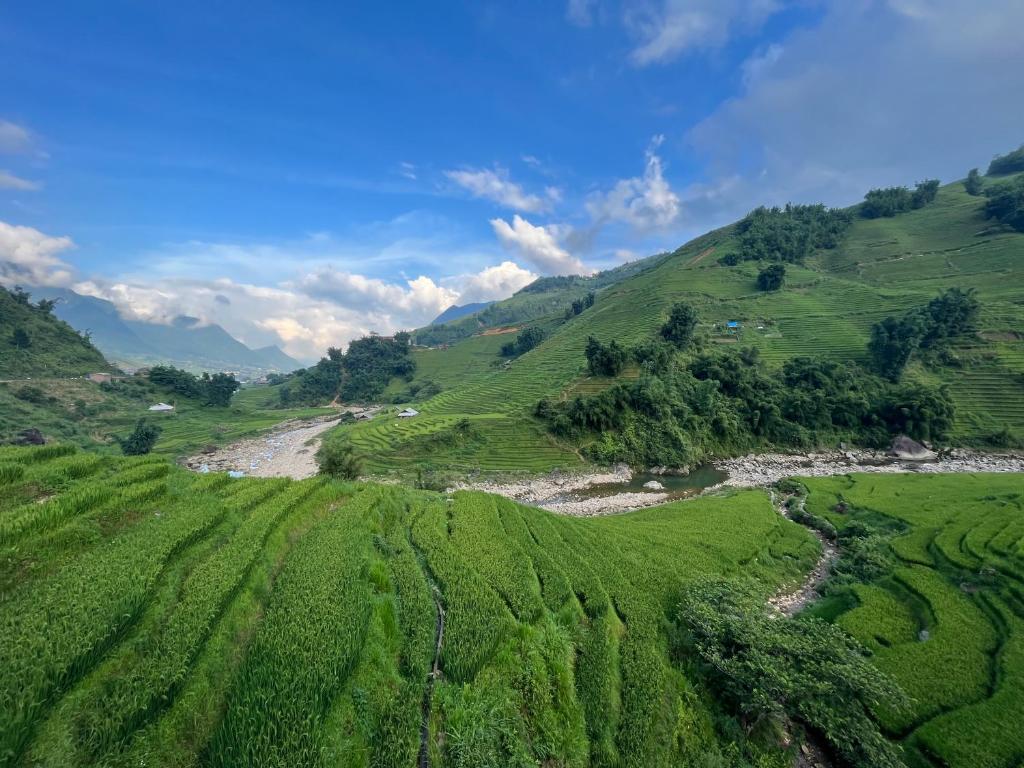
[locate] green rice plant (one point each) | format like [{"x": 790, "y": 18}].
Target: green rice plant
[
  {"x": 10, "y": 472},
  {"x": 304, "y": 649}
]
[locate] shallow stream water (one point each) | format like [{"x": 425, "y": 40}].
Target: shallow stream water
[{"x": 676, "y": 486}]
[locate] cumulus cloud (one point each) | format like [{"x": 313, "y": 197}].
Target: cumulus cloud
[
  {"x": 876, "y": 94},
  {"x": 492, "y": 283},
  {"x": 497, "y": 187},
  {"x": 674, "y": 27},
  {"x": 646, "y": 202},
  {"x": 538, "y": 245},
  {"x": 319, "y": 306},
  {"x": 9, "y": 181},
  {"x": 29, "y": 257}
]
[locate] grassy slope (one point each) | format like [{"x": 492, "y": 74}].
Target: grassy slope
[
  {"x": 959, "y": 576},
  {"x": 883, "y": 267},
  {"x": 56, "y": 348},
  {"x": 180, "y": 630},
  {"x": 83, "y": 413}
]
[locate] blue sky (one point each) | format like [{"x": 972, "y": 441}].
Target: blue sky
[{"x": 305, "y": 172}]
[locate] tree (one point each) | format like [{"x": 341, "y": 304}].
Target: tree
[
  {"x": 681, "y": 325},
  {"x": 339, "y": 459},
  {"x": 1006, "y": 203},
  {"x": 141, "y": 440},
  {"x": 950, "y": 314},
  {"x": 768, "y": 668},
  {"x": 605, "y": 360},
  {"x": 973, "y": 182},
  {"x": 890, "y": 201},
  {"x": 892, "y": 343},
  {"x": 772, "y": 277},
  {"x": 1011, "y": 162},
  {"x": 922, "y": 412},
  {"x": 219, "y": 388},
  {"x": 20, "y": 339},
  {"x": 524, "y": 342}
]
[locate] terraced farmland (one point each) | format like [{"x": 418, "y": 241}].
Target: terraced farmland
[
  {"x": 946, "y": 620},
  {"x": 196, "y": 620},
  {"x": 883, "y": 267}
]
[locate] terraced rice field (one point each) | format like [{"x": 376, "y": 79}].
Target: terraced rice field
[
  {"x": 151, "y": 616},
  {"x": 883, "y": 267},
  {"x": 947, "y": 621}
]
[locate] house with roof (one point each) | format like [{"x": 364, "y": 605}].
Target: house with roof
[
  {"x": 408, "y": 413},
  {"x": 161, "y": 407}
]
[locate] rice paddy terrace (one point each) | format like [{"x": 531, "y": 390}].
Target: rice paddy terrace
[
  {"x": 882, "y": 267},
  {"x": 946, "y": 618},
  {"x": 150, "y": 616},
  {"x": 156, "y": 617}
]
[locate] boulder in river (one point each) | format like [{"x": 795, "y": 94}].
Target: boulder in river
[
  {"x": 910, "y": 450},
  {"x": 654, "y": 485}
]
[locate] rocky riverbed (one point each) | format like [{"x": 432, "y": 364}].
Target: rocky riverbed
[
  {"x": 288, "y": 451},
  {"x": 763, "y": 470}
]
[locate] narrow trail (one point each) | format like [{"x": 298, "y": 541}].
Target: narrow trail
[
  {"x": 423, "y": 760},
  {"x": 791, "y": 601}
]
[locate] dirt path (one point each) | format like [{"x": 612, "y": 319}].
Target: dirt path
[
  {"x": 791, "y": 601},
  {"x": 423, "y": 759},
  {"x": 288, "y": 451}
]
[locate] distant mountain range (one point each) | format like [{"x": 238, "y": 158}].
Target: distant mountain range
[
  {"x": 184, "y": 342},
  {"x": 454, "y": 312}
]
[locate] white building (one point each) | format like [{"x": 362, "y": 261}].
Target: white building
[
  {"x": 408, "y": 413},
  {"x": 161, "y": 407}
]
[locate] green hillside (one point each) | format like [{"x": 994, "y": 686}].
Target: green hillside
[
  {"x": 880, "y": 267},
  {"x": 153, "y": 616},
  {"x": 35, "y": 343}
]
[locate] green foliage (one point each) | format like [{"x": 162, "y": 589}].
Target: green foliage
[
  {"x": 578, "y": 305},
  {"x": 339, "y": 459},
  {"x": 770, "y": 668},
  {"x": 1011, "y": 162},
  {"x": 950, "y": 315},
  {"x": 141, "y": 440},
  {"x": 20, "y": 339},
  {"x": 891, "y": 201},
  {"x": 920, "y": 411},
  {"x": 973, "y": 184},
  {"x": 524, "y": 342},
  {"x": 605, "y": 359},
  {"x": 772, "y": 277},
  {"x": 359, "y": 374},
  {"x": 210, "y": 390},
  {"x": 681, "y": 325},
  {"x": 1006, "y": 203},
  {"x": 790, "y": 234}
]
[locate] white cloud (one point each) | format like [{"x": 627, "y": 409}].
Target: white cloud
[
  {"x": 674, "y": 27},
  {"x": 14, "y": 138},
  {"x": 497, "y": 187},
  {"x": 9, "y": 181},
  {"x": 408, "y": 170},
  {"x": 646, "y": 202},
  {"x": 538, "y": 245},
  {"x": 317, "y": 306},
  {"x": 492, "y": 283},
  {"x": 876, "y": 94},
  {"x": 29, "y": 257}
]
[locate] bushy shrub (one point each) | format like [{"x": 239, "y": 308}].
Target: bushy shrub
[
  {"x": 772, "y": 277},
  {"x": 524, "y": 342},
  {"x": 973, "y": 184},
  {"x": 1005, "y": 203},
  {"x": 891, "y": 201},
  {"x": 338, "y": 459},
  {"x": 681, "y": 325},
  {"x": 790, "y": 234},
  {"x": 141, "y": 440},
  {"x": 1011, "y": 162},
  {"x": 605, "y": 359}
]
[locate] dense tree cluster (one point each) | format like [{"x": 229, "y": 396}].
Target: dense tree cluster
[
  {"x": 605, "y": 359},
  {"x": 1005, "y": 203},
  {"x": 772, "y": 277},
  {"x": 339, "y": 459},
  {"x": 895, "y": 339},
  {"x": 359, "y": 374},
  {"x": 682, "y": 410},
  {"x": 1011, "y": 162},
  {"x": 890, "y": 201},
  {"x": 769, "y": 670},
  {"x": 210, "y": 390},
  {"x": 523, "y": 343},
  {"x": 789, "y": 234}
]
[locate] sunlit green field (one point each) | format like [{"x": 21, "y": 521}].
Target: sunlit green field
[
  {"x": 946, "y": 620},
  {"x": 155, "y": 617}
]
